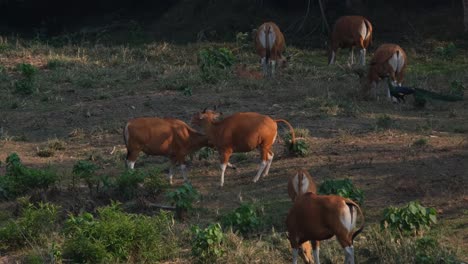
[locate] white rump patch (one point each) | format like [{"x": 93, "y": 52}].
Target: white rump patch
[
  {"x": 262, "y": 37},
  {"x": 346, "y": 219},
  {"x": 363, "y": 30},
  {"x": 396, "y": 62},
  {"x": 305, "y": 184}
]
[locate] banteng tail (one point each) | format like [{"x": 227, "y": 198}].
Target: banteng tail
[
  {"x": 351, "y": 204},
  {"x": 291, "y": 129}
]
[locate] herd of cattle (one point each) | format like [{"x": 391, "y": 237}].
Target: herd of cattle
[{"x": 312, "y": 217}]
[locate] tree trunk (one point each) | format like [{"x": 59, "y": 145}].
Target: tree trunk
[{"x": 465, "y": 14}]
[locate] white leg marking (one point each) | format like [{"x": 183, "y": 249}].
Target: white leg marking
[
  {"x": 295, "y": 253},
  {"x": 264, "y": 66},
  {"x": 316, "y": 255},
  {"x": 223, "y": 169},
  {"x": 267, "y": 168},
  {"x": 363, "y": 56},
  {"x": 332, "y": 59},
  {"x": 183, "y": 169},
  {"x": 130, "y": 164},
  {"x": 230, "y": 165},
  {"x": 260, "y": 170},
  {"x": 170, "y": 174},
  {"x": 273, "y": 66},
  {"x": 349, "y": 255}
]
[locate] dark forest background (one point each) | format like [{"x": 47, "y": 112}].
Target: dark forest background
[{"x": 184, "y": 21}]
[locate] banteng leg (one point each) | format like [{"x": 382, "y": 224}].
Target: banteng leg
[
  {"x": 272, "y": 67},
  {"x": 352, "y": 55},
  {"x": 316, "y": 251},
  {"x": 270, "y": 159},
  {"x": 349, "y": 255},
  {"x": 171, "y": 173},
  {"x": 131, "y": 158},
  {"x": 264, "y": 155},
  {"x": 295, "y": 253},
  {"x": 362, "y": 55},
  {"x": 224, "y": 156},
  {"x": 264, "y": 66}
]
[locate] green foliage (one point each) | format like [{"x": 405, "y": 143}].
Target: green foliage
[
  {"x": 207, "y": 244},
  {"x": 115, "y": 236},
  {"x": 301, "y": 146},
  {"x": 24, "y": 87},
  {"x": 420, "y": 142},
  {"x": 245, "y": 219},
  {"x": 214, "y": 63},
  {"x": 344, "y": 188},
  {"x": 33, "y": 226},
  {"x": 86, "y": 170},
  {"x": 243, "y": 41},
  {"x": 457, "y": 88},
  {"x": 183, "y": 197},
  {"x": 412, "y": 218},
  {"x": 205, "y": 153},
  {"x": 186, "y": 90},
  {"x": 154, "y": 182},
  {"x": 447, "y": 52},
  {"x": 27, "y": 70},
  {"x": 384, "y": 122},
  {"x": 20, "y": 179},
  {"x": 127, "y": 183},
  {"x": 55, "y": 64}
]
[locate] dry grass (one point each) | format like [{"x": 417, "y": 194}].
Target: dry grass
[{"x": 86, "y": 93}]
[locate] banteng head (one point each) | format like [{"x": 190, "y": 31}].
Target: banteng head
[{"x": 200, "y": 118}]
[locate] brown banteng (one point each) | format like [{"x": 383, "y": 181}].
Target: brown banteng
[
  {"x": 299, "y": 184},
  {"x": 270, "y": 45},
  {"x": 389, "y": 61},
  {"x": 319, "y": 217},
  {"x": 241, "y": 132},
  {"x": 350, "y": 32},
  {"x": 162, "y": 136}
]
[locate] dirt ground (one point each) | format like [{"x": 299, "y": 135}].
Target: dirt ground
[{"x": 345, "y": 141}]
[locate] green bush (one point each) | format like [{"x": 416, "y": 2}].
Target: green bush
[
  {"x": 447, "y": 52},
  {"x": 420, "y": 142},
  {"x": 115, "y": 236},
  {"x": 127, "y": 183},
  {"x": 20, "y": 179},
  {"x": 184, "y": 197},
  {"x": 384, "y": 122},
  {"x": 205, "y": 153},
  {"x": 154, "y": 182},
  {"x": 34, "y": 225},
  {"x": 344, "y": 188},
  {"x": 412, "y": 218},
  {"x": 245, "y": 219},
  {"x": 26, "y": 69},
  {"x": 214, "y": 63},
  {"x": 301, "y": 146},
  {"x": 86, "y": 171},
  {"x": 457, "y": 88},
  {"x": 207, "y": 244},
  {"x": 24, "y": 87}
]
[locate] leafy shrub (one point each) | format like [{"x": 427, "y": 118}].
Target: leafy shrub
[
  {"x": 25, "y": 86},
  {"x": 205, "y": 153},
  {"x": 20, "y": 179},
  {"x": 183, "y": 197},
  {"x": 115, "y": 236},
  {"x": 246, "y": 218},
  {"x": 344, "y": 188},
  {"x": 27, "y": 70},
  {"x": 384, "y": 122},
  {"x": 447, "y": 52},
  {"x": 86, "y": 170},
  {"x": 412, "y": 218},
  {"x": 45, "y": 152},
  {"x": 457, "y": 88},
  {"x": 420, "y": 142},
  {"x": 207, "y": 244},
  {"x": 214, "y": 62},
  {"x": 243, "y": 41},
  {"x": 301, "y": 147},
  {"x": 33, "y": 226},
  {"x": 127, "y": 183},
  {"x": 154, "y": 182}
]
